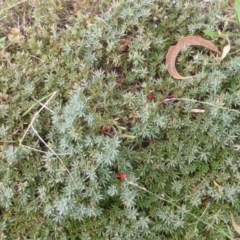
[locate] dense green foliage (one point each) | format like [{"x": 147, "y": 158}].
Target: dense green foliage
[{"x": 83, "y": 98}]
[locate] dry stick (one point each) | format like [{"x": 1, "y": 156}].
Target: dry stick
[
  {"x": 207, "y": 103},
  {"x": 35, "y": 131}
]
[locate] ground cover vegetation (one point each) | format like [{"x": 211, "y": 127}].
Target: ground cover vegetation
[{"x": 85, "y": 96}]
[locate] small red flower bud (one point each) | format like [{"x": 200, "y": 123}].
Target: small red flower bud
[
  {"x": 151, "y": 97},
  {"x": 4, "y": 100},
  {"x": 122, "y": 176},
  {"x": 105, "y": 129},
  {"x": 172, "y": 96}
]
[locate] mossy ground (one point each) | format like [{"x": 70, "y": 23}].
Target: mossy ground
[{"x": 85, "y": 95}]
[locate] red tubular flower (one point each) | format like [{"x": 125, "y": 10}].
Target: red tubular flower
[{"x": 122, "y": 176}]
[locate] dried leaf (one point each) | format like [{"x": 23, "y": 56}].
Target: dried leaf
[
  {"x": 220, "y": 188},
  {"x": 225, "y": 51},
  {"x": 195, "y": 110},
  {"x": 236, "y": 147},
  {"x": 125, "y": 44},
  {"x": 121, "y": 81},
  {"x": 236, "y": 227},
  {"x": 15, "y": 35},
  {"x": 2, "y": 53},
  {"x": 184, "y": 42},
  {"x": 227, "y": 48},
  {"x": 232, "y": 3}
]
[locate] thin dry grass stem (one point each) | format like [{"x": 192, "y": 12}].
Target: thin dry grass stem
[
  {"x": 53, "y": 152},
  {"x": 37, "y": 150},
  {"x": 205, "y": 210},
  {"x": 35, "y": 116},
  {"x": 44, "y": 106},
  {"x": 7, "y": 142},
  {"x": 36, "y": 58},
  {"x": 98, "y": 18},
  {"x": 234, "y": 52},
  {"x": 14, "y": 5},
  {"x": 226, "y": 19},
  {"x": 33, "y": 149},
  {"x": 175, "y": 205},
  {"x": 207, "y": 103}
]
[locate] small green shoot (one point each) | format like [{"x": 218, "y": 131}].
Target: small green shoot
[
  {"x": 237, "y": 11},
  {"x": 214, "y": 34},
  {"x": 2, "y": 42}
]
